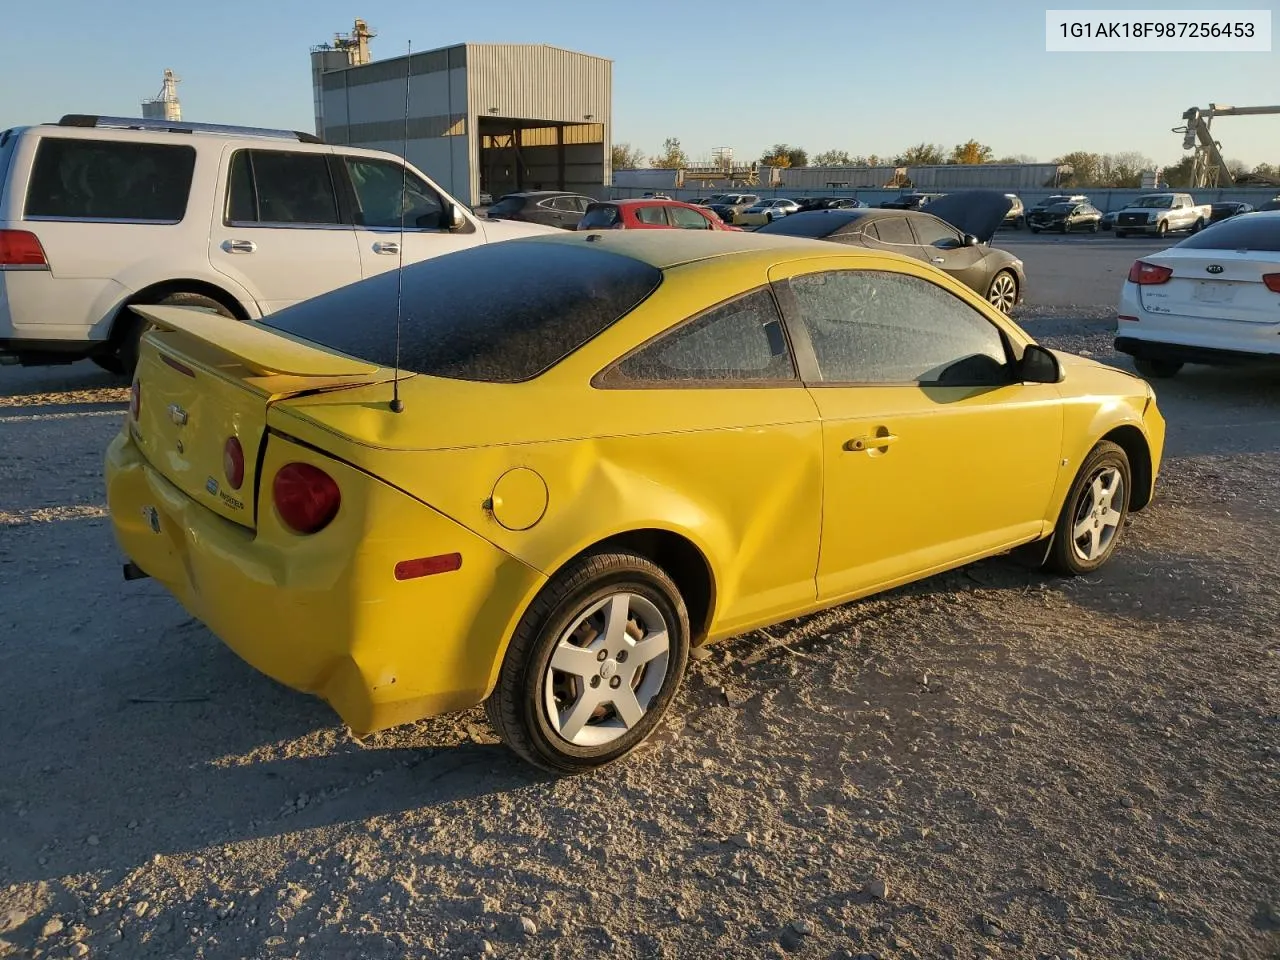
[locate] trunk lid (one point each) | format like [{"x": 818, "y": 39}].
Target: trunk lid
[
  {"x": 1221, "y": 285},
  {"x": 202, "y": 380}
]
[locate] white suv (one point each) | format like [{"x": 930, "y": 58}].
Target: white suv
[{"x": 97, "y": 213}]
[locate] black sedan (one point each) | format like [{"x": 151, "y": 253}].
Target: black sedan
[
  {"x": 954, "y": 234},
  {"x": 1227, "y": 210},
  {"x": 554, "y": 208},
  {"x": 1067, "y": 217}
]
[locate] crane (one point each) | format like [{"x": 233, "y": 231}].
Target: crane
[{"x": 1208, "y": 168}]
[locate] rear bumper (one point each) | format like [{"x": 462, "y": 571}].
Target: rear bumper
[
  {"x": 324, "y": 614},
  {"x": 1189, "y": 353}
]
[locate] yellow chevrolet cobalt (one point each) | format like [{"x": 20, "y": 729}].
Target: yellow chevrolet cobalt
[{"x": 607, "y": 448}]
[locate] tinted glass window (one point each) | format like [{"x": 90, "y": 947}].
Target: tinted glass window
[
  {"x": 110, "y": 180},
  {"x": 740, "y": 340},
  {"x": 386, "y": 190},
  {"x": 932, "y": 232},
  {"x": 814, "y": 224},
  {"x": 506, "y": 206},
  {"x": 653, "y": 215},
  {"x": 1245, "y": 232},
  {"x": 894, "y": 230},
  {"x": 499, "y": 312},
  {"x": 688, "y": 219},
  {"x": 870, "y": 326},
  {"x": 287, "y": 188},
  {"x": 600, "y": 217},
  {"x": 7, "y": 140}
]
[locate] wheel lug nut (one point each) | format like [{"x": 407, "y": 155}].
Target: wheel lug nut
[
  {"x": 602, "y": 655},
  {"x": 595, "y": 681},
  {"x": 621, "y": 657},
  {"x": 615, "y": 682}
]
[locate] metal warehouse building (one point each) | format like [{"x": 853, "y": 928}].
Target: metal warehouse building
[{"x": 483, "y": 117}]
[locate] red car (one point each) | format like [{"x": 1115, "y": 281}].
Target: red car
[{"x": 650, "y": 214}]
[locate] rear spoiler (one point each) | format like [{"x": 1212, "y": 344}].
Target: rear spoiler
[{"x": 263, "y": 352}]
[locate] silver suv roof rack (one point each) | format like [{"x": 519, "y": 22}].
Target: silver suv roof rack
[{"x": 175, "y": 126}]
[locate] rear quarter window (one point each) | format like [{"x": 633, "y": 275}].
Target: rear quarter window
[
  {"x": 599, "y": 217},
  {"x": 74, "y": 179},
  {"x": 7, "y": 141},
  {"x": 498, "y": 313}
]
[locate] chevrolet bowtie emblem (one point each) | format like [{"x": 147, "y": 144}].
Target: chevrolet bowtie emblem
[{"x": 177, "y": 415}]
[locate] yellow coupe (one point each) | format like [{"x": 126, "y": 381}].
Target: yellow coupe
[{"x": 600, "y": 450}]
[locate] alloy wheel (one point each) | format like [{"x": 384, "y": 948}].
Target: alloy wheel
[
  {"x": 1096, "y": 521},
  {"x": 606, "y": 670},
  {"x": 1003, "y": 292}
]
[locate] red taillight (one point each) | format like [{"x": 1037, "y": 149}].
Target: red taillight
[
  {"x": 19, "y": 248},
  {"x": 1272, "y": 280},
  {"x": 426, "y": 566},
  {"x": 135, "y": 399},
  {"x": 306, "y": 497},
  {"x": 233, "y": 462},
  {"x": 1148, "y": 273}
]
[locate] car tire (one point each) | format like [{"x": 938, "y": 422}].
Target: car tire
[
  {"x": 1003, "y": 290},
  {"x": 1198, "y": 225},
  {"x": 1035, "y": 229},
  {"x": 1162, "y": 229},
  {"x": 1093, "y": 228},
  {"x": 131, "y": 340},
  {"x": 578, "y": 605},
  {"x": 1093, "y": 516},
  {"x": 1157, "y": 369}
]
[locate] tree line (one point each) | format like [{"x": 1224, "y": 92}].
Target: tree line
[{"x": 1123, "y": 169}]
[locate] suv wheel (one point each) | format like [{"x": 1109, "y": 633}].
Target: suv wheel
[{"x": 127, "y": 351}]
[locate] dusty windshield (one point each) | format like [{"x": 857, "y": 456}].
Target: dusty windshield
[{"x": 1160, "y": 203}]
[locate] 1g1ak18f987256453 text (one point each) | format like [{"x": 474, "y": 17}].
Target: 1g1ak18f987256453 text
[{"x": 1158, "y": 30}]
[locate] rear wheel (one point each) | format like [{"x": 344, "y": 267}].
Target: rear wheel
[
  {"x": 1093, "y": 516},
  {"x": 130, "y": 341},
  {"x": 594, "y": 664},
  {"x": 1198, "y": 225},
  {"x": 1158, "y": 369}
]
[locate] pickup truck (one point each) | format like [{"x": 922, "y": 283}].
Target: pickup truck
[{"x": 1160, "y": 213}]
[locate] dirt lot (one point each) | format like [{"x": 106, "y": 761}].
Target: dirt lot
[{"x": 989, "y": 763}]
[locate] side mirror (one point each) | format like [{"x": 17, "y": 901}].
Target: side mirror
[
  {"x": 970, "y": 240},
  {"x": 1039, "y": 365},
  {"x": 453, "y": 219}
]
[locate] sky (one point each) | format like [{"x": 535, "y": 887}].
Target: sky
[{"x": 864, "y": 77}]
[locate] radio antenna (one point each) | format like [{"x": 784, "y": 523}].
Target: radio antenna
[{"x": 397, "y": 406}]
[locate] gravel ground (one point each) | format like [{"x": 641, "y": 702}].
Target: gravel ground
[{"x": 987, "y": 763}]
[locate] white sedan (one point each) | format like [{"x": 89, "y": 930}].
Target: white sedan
[{"x": 1213, "y": 298}]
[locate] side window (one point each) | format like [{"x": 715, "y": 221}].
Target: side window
[
  {"x": 384, "y": 190},
  {"x": 652, "y": 215},
  {"x": 739, "y": 341},
  {"x": 871, "y": 326},
  {"x": 79, "y": 179},
  {"x": 894, "y": 230},
  {"x": 932, "y": 232},
  {"x": 270, "y": 186},
  {"x": 688, "y": 219}
]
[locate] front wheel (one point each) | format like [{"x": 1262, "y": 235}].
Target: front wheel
[
  {"x": 1093, "y": 516},
  {"x": 1162, "y": 229},
  {"x": 1157, "y": 369},
  {"x": 1093, "y": 228},
  {"x": 1003, "y": 292},
  {"x": 594, "y": 664},
  {"x": 1035, "y": 229}
]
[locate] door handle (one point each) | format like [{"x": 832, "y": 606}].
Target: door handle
[
  {"x": 860, "y": 444},
  {"x": 939, "y": 259},
  {"x": 239, "y": 246},
  {"x": 386, "y": 246}
]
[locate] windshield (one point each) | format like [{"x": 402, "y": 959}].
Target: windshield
[
  {"x": 1062, "y": 208},
  {"x": 506, "y": 206},
  {"x": 499, "y": 313},
  {"x": 599, "y": 217},
  {"x": 1159, "y": 203},
  {"x": 1248, "y": 231}
]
